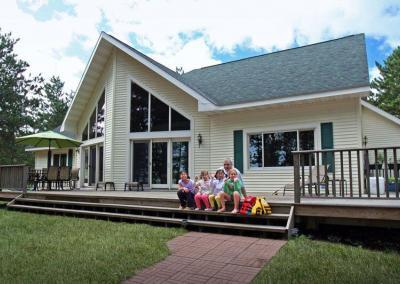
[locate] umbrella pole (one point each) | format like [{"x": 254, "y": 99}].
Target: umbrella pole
[{"x": 49, "y": 156}]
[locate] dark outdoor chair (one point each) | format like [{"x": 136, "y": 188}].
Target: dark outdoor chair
[
  {"x": 52, "y": 176},
  {"x": 74, "y": 177},
  {"x": 64, "y": 176}
]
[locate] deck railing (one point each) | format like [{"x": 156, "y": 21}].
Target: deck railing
[
  {"x": 13, "y": 177},
  {"x": 347, "y": 173}
]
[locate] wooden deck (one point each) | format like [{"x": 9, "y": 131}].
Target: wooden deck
[{"x": 310, "y": 212}]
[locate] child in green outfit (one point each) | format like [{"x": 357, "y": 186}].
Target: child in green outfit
[{"x": 232, "y": 190}]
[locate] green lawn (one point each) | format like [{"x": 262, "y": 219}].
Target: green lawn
[
  {"x": 55, "y": 249},
  {"x": 303, "y": 260}
]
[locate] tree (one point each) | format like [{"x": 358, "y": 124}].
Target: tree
[
  {"x": 20, "y": 99},
  {"x": 54, "y": 105},
  {"x": 387, "y": 86}
]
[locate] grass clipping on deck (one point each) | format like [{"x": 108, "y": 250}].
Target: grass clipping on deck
[
  {"x": 303, "y": 260},
  {"x": 55, "y": 249}
]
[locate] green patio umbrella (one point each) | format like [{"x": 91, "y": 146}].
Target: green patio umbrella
[{"x": 50, "y": 139}]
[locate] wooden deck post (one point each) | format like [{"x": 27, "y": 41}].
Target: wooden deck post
[{"x": 296, "y": 167}]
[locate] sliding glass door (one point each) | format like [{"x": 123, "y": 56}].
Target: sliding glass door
[
  {"x": 157, "y": 163},
  {"x": 93, "y": 164}
]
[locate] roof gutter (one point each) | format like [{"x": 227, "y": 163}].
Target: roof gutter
[{"x": 354, "y": 92}]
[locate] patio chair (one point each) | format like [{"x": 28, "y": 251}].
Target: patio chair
[
  {"x": 323, "y": 176},
  {"x": 74, "y": 177},
  {"x": 64, "y": 176},
  {"x": 52, "y": 176}
]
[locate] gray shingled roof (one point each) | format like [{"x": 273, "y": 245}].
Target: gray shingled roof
[{"x": 327, "y": 66}]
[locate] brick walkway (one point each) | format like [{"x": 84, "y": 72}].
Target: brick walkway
[{"x": 210, "y": 258}]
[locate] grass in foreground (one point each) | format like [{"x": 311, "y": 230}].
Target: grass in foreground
[
  {"x": 303, "y": 260},
  {"x": 55, "y": 249}
]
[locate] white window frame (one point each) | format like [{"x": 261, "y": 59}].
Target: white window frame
[{"x": 288, "y": 128}]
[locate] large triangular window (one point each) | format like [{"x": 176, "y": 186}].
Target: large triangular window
[{"x": 146, "y": 108}]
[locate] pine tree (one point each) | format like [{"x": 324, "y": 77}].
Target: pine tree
[
  {"x": 55, "y": 104},
  {"x": 387, "y": 86},
  {"x": 20, "y": 99}
]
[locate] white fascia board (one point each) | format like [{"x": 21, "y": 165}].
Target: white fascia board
[
  {"x": 201, "y": 99},
  {"x": 80, "y": 82},
  {"x": 380, "y": 112},
  {"x": 361, "y": 91}
]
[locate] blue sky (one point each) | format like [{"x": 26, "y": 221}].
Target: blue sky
[{"x": 58, "y": 36}]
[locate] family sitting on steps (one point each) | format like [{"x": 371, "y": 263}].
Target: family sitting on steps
[{"x": 225, "y": 185}]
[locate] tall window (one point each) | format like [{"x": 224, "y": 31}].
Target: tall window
[
  {"x": 101, "y": 111},
  {"x": 274, "y": 149},
  {"x": 92, "y": 123},
  {"x": 139, "y": 109},
  {"x": 96, "y": 125},
  {"x": 145, "y": 107},
  {"x": 85, "y": 133}
]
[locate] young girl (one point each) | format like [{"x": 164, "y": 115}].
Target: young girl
[
  {"x": 203, "y": 190},
  {"x": 217, "y": 185},
  {"x": 186, "y": 191},
  {"x": 232, "y": 190}
]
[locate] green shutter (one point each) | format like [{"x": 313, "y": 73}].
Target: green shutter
[
  {"x": 327, "y": 143},
  {"x": 238, "y": 149}
]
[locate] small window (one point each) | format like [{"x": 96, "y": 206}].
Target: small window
[
  {"x": 63, "y": 160},
  {"x": 159, "y": 115},
  {"x": 178, "y": 121},
  {"x": 56, "y": 160},
  {"x": 139, "y": 109}
]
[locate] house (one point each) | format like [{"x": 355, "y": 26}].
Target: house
[{"x": 139, "y": 120}]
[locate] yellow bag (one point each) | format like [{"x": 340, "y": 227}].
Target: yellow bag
[{"x": 261, "y": 207}]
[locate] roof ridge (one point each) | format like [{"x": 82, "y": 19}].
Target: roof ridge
[{"x": 277, "y": 51}]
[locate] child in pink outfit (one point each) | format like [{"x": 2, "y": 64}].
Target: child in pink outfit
[{"x": 203, "y": 190}]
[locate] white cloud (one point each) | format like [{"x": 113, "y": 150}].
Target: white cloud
[
  {"x": 374, "y": 73},
  {"x": 222, "y": 25}
]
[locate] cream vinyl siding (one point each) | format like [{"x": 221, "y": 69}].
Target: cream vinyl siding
[
  {"x": 127, "y": 70},
  {"x": 40, "y": 160},
  {"x": 343, "y": 113},
  {"x": 380, "y": 132}
]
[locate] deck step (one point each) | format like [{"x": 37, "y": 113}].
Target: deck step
[
  {"x": 145, "y": 208},
  {"x": 183, "y": 222},
  {"x": 260, "y": 228},
  {"x": 97, "y": 213}
]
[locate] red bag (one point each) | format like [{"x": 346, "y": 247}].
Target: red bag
[{"x": 247, "y": 205}]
